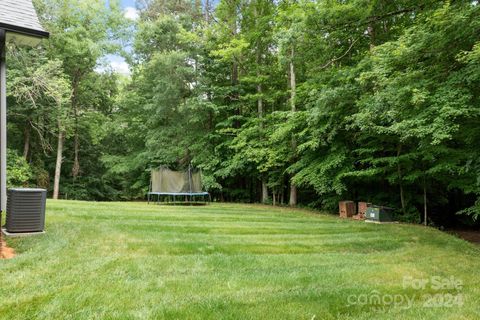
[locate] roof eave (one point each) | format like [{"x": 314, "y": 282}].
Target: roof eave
[{"x": 23, "y": 30}]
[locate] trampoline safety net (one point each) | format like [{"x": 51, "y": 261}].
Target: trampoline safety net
[{"x": 165, "y": 180}]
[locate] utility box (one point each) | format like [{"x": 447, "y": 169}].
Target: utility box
[
  {"x": 346, "y": 209},
  {"x": 379, "y": 214},
  {"x": 25, "y": 210}
]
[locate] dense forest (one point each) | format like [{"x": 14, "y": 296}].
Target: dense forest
[{"x": 282, "y": 102}]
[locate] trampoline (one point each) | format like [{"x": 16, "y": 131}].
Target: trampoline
[{"x": 168, "y": 186}]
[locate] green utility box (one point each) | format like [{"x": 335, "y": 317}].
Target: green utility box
[{"x": 379, "y": 214}]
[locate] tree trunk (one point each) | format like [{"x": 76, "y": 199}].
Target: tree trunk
[
  {"x": 76, "y": 161},
  {"x": 293, "y": 195},
  {"x": 424, "y": 202},
  {"x": 26, "y": 140},
  {"x": 264, "y": 191},
  {"x": 207, "y": 11},
  {"x": 234, "y": 77},
  {"x": 293, "y": 88},
  {"x": 260, "y": 112},
  {"x": 402, "y": 197},
  {"x": 260, "y": 102},
  {"x": 198, "y": 10},
  {"x": 371, "y": 33},
  {"x": 400, "y": 178},
  {"x": 58, "y": 165},
  {"x": 293, "y": 82}
]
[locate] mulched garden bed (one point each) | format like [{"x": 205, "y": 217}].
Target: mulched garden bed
[
  {"x": 5, "y": 251},
  {"x": 469, "y": 235}
]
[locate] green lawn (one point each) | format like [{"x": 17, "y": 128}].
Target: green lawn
[{"x": 226, "y": 261}]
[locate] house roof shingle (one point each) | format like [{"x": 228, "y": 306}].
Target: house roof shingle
[{"x": 20, "y": 16}]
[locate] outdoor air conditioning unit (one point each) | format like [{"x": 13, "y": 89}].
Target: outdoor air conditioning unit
[{"x": 25, "y": 210}]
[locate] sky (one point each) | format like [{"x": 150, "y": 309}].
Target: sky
[
  {"x": 128, "y": 3},
  {"x": 116, "y": 62},
  {"x": 129, "y": 8}
]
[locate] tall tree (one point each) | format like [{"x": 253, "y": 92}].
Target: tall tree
[{"x": 81, "y": 33}]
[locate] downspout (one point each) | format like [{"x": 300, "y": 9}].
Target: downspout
[{"x": 3, "y": 124}]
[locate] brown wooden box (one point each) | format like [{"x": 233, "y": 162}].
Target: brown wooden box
[
  {"x": 362, "y": 207},
  {"x": 346, "y": 209}
]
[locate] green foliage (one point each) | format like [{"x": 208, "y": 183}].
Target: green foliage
[
  {"x": 386, "y": 100},
  {"x": 19, "y": 171}
]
